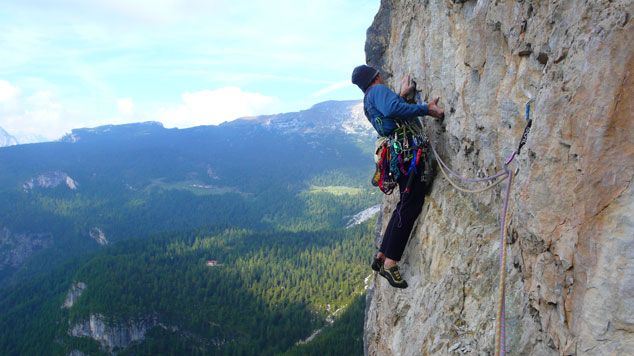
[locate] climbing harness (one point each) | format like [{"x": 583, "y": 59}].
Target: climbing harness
[
  {"x": 500, "y": 330},
  {"x": 400, "y": 154}
]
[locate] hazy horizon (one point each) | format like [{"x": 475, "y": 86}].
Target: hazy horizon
[{"x": 86, "y": 64}]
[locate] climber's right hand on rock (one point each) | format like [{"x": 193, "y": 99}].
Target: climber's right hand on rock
[{"x": 434, "y": 110}]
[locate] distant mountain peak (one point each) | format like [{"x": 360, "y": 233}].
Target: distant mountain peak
[
  {"x": 6, "y": 139},
  {"x": 322, "y": 118}
]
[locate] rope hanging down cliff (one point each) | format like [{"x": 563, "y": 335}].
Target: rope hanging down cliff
[{"x": 500, "y": 330}]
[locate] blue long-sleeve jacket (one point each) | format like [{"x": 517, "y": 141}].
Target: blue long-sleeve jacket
[{"x": 382, "y": 103}]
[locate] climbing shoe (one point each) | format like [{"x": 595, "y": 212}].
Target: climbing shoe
[
  {"x": 377, "y": 264},
  {"x": 393, "y": 275}
]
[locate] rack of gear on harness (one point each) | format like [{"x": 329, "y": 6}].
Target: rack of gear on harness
[
  {"x": 500, "y": 330},
  {"x": 400, "y": 154}
]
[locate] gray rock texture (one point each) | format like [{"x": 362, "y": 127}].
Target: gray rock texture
[
  {"x": 16, "y": 248},
  {"x": 570, "y": 270},
  {"x": 97, "y": 234},
  {"x": 113, "y": 336},
  {"x": 75, "y": 291},
  {"x": 51, "y": 180}
]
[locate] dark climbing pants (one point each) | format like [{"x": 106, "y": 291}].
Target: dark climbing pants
[{"x": 403, "y": 217}]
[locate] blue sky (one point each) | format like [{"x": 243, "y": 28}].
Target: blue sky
[{"x": 84, "y": 63}]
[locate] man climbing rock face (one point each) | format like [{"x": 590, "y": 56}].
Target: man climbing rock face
[{"x": 388, "y": 113}]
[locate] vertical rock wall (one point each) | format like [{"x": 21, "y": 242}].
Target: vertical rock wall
[
  {"x": 570, "y": 271},
  {"x": 113, "y": 336}
]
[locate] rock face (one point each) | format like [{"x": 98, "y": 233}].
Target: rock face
[
  {"x": 16, "y": 248},
  {"x": 51, "y": 180},
  {"x": 570, "y": 270},
  {"x": 96, "y": 234},
  {"x": 76, "y": 290},
  {"x": 113, "y": 336},
  {"x": 363, "y": 216}
]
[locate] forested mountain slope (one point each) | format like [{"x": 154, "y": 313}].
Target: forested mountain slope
[
  {"x": 105, "y": 184},
  {"x": 158, "y": 295},
  {"x": 107, "y": 235}
]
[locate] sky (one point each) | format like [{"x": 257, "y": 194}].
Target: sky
[{"x": 84, "y": 63}]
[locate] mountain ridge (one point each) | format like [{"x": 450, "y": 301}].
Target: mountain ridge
[
  {"x": 124, "y": 217},
  {"x": 232, "y": 162},
  {"x": 346, "y": 116},
  {"x": 7, "y": 139}
]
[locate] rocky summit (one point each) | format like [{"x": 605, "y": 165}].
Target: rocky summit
[{"x": 570, "y": 265}]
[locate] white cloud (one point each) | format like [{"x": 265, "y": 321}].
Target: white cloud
[
  {"x": 7, "y": 92},
  {"x": 125, "y": 106},
  {"x": 41, "y": 114},
  {"x": 32, "y": 117},
  {"x": 332, "y": 88},
  {"x": 213, "y": 107},
  {"x": 70, "y": 62}
]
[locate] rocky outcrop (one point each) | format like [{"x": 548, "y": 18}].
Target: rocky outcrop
[
  {"x": 76, "y": 290},
  {"x": 51, "y": 180},
  {"x": 113, "y": 336},
  {"x": 96, "y": 234},
  {"x": 15, "y": 248},
  {"x": 570, "y": 271},
  {"x": 363, "y": 216}
]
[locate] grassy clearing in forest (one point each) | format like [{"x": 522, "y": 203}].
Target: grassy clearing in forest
[
  {"x": 193, "y": 186},
  {"x": 335, "y": 190}
]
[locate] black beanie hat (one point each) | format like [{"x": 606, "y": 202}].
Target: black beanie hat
[{"x": 363, "y": 76}]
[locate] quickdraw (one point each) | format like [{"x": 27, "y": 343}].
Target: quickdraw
[{"x": 527, "y": 130}]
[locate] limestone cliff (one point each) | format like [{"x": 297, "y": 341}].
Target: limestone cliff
[
  {"x": 76, "y": 290},
  {"x": 113, "y": 336},
  {"x": 570, "y": 271}
]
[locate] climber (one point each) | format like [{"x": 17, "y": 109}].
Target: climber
[{"x": 386, "y": 110}]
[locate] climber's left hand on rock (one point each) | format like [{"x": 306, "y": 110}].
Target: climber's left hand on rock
[{"x": 434, "y": 110}]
